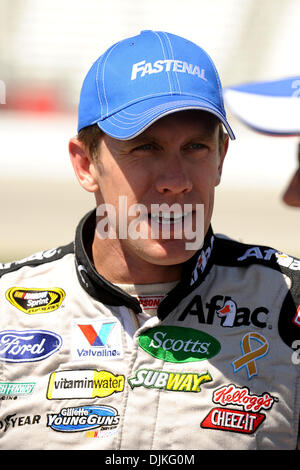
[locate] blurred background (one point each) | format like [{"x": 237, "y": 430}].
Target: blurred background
[{"x": 46, "y": 49}]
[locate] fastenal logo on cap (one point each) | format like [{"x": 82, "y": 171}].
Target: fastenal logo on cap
[{"x": 141, "y": 79}]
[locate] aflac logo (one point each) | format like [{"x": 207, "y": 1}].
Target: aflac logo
[{"x": 28, "y": 345}]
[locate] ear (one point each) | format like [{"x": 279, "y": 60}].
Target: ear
[
  {"x": 84, "y": 167},
  {"x": 222, "y": 156},
  {"x": 291, "y": 196}
]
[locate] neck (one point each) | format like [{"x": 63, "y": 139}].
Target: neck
[{"x": 120, "y": 267}]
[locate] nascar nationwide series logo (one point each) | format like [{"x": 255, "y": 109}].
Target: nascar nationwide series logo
[
  {"x": 179, "y": 345},
  {"x": 87, "y": 383},
  {"x": 84, "y": 418},
  {"x": 34, "y": 300}
]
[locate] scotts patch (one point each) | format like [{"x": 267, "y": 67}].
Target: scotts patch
[
  {"x": 35, "y": 300},
  {"x": 175, "y": 344},
  {"x": 28, "y": 345}
]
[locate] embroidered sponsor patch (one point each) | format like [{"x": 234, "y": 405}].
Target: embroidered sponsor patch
[
  {"x": 233, "y": 395},
  {"x": 178, "y": 345},
  {"x": 16, "y": 389},
  {"x": 149, "y": 302},
  {"x": 296, "y": 319},
  {"x": 268, "y": 254},
  {"x": 12, "y": 421},
  {"x": 97, "y": 339},
  {"x": 87, "y": 383},
  {"x": 84, "y": 418},
  {"x": 175, "y": 381},
  {"x": 35, "y": 300},
  {"x": 233, "y": 420},
  {"x": 226, "y": 311},
  {"x": 251, "y": 354},
  {"x": 28, "y": 345},
  {"x": 244, "y": 421}
]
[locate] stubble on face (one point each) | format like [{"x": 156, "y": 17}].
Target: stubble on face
[{"x": 124, "y": 171}]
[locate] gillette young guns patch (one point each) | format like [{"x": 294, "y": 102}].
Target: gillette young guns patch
[{"x": 84, "y": 418}]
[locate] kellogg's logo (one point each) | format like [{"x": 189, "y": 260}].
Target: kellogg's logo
[
  {"x": 245, "y": 421},
  {"x": 232, "y": 395},
  {"x": 28, "y": 345},
  {"x": 34, "y": 300}
]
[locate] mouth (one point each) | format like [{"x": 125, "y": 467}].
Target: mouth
[{"x": 169, "y": 218}]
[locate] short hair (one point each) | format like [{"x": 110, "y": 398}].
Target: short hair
[{"x": 90, "y": 137}]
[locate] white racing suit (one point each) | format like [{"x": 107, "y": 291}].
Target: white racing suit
[{"x": 217, "y": 366}]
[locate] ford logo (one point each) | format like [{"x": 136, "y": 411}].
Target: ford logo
[{"x": 28, "y": 345}]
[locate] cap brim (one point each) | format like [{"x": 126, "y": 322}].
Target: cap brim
[
  {"x": 134, "y": 119},
  {"x": 271, "y": 108}
]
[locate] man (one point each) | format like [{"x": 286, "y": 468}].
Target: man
[
  {"x": 150, "y": 332},
  {"x": 270, "y": 108},
  {"x": 291, "y": 195}
]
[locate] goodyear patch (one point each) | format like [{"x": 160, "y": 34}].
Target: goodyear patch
[
  {"x": 35, "y": 300},
  {"x": 178, "y": 382},
  {"x": 87, "y": 383}
]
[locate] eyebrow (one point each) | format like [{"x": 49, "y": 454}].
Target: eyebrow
[{"x": 148, "y": 137}]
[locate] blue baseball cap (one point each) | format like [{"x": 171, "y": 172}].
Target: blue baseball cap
[{"x": 143, "y": 78}]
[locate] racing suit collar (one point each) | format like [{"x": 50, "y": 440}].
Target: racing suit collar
[{"x": 193, "y": 273}]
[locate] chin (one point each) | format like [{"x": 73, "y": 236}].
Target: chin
[{"x": 168, "y": 252}]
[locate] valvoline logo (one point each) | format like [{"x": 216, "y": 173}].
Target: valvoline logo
[
  {"x": 28, "y": 345},
  {"x": 96, "y": 339}
]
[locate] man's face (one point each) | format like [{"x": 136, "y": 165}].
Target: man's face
[{"x": 177, "y": 160}]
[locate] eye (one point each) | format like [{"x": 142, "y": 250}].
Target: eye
[
  {"x": 147, "y": 147},
  {"x": 196, "y": 146}
]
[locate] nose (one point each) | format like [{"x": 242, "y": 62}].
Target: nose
[{"x": 174, "y": 177}]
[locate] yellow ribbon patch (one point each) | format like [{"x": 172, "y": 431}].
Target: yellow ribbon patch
[{"x": 251, "y": 355}]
